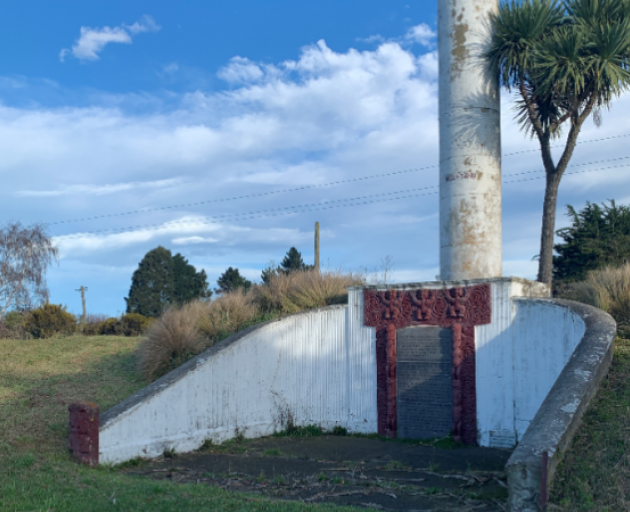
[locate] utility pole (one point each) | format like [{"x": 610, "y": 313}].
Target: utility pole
[
  {"x": 83, "y": 289},
  {"x": 317, "y": 247}
]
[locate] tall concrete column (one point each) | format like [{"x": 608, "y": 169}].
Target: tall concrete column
[{"x": 470, "y": 144}]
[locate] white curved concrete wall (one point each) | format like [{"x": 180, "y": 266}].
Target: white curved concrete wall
[
  {"x": 304, "y": 366},
  {"x": 545, "y": 337},
  {"x": 519, "y": 357}
]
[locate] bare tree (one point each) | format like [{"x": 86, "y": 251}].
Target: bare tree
[{"x": 25, "y": 254}]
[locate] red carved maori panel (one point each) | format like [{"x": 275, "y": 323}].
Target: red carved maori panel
[{"x": 459, "y": 309}]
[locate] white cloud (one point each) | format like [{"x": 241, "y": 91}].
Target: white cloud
[
  {"x": 376, "y": 38},
  {"x": 421, "y": 34},
  {"x": 322, "y": 117},
  {"x": 82, "y": 244},
  {"x": 171, "y": 68},
  {"x": 146, "y": 24},
  {"x": 92, "y": 40},
  {"x": 240, "y": 70},
  {"x": 188, "y": 240},
  {"x": 100, "y": 190}
]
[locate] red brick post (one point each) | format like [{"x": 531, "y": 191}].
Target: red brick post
[{"x": 84, "y": 426}]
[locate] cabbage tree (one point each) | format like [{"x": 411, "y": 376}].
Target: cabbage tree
[{"x": 565, "y": 60}]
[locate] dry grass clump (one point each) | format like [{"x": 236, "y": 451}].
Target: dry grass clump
[
  {"x": 607, "y": 289},
  {"x": 297, "y": 291},
  {"x": 183, "y": 332},
  {"x": 228, "y": 314},
  {"x": 170, "y": 341}
]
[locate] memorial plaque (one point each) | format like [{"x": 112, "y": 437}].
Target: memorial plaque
[{"x": 424, "y": 383}]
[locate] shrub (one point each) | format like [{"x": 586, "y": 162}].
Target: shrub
[
  {"x": 12, "y": 326},
  {"x": 50, "y": 320},
  {"x": 111, "y": 327},
  {"x": 134, "y": 324},
  {"x": 14, "y": 320},
  {"x": 170, "y": 341},
  {"x": 93, "y": 324},
  {"x": 607, "y": 289}
]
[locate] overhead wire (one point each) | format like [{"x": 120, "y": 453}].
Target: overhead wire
[
  {"x": 282, "y": 191},
  {"x": 578, "y": 142},
  {"x": 291, "y": 210}
]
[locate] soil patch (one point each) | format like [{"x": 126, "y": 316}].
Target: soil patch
[{"x": 374, "y": 473}]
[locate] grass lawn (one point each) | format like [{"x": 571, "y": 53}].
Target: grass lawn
[
  {"x": 595, "y": 474},
  {"x": 38, "y": 380}
]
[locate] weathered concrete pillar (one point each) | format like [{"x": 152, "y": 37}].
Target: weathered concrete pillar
[{"x": 470, "y": 144}]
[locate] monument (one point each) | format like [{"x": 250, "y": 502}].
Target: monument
[
  {"x": 455, "y": 357},
  {"x": 470, "y": 144}
]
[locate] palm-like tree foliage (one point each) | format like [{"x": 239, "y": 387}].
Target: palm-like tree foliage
[{"x": 566, "y": 60}]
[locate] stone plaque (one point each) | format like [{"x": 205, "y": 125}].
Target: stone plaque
[{"x": 423, "y": 380}]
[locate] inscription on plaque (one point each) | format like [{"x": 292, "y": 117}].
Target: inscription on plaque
[{"x": 424, "y": 383}]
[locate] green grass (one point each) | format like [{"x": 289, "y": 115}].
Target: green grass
[
  {"x": 305, "y": 431},
  {"x": 38, "y": 380},
  {"x": 595, "y": 472}
]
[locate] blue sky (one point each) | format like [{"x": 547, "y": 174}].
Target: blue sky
[{"x": 191, "y": 125}]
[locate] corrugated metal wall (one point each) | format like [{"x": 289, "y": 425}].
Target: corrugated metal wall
[{"x": 313, "y": 368}]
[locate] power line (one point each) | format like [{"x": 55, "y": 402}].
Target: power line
[
  {"x": 290, "y": 210},
  {"x": 275, "y": 192},
  {"x": 578, "y": 142},
  {"x": 247, "y": 196}
]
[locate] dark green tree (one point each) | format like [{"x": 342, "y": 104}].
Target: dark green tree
[
  {"x": 231, "y": 280},
  {"x": 598, "y": 236},
  {"x": 188, "y": 283},
  {"x": 152, "y": 285},
  {"x": 161, "y": 280},
  {"x": 566, "y": 60},
  {"x": 268, "y": 273},
  {"x": 293, "y": 262}
]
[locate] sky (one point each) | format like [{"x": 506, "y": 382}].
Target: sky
[{"x": 225, "y": 130}]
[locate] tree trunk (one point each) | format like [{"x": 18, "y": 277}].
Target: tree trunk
[{"x": 545, "y": 263}]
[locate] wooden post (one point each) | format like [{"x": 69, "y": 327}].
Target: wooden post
[
  {"x": 317, "y": 247},
  {"x": 83, "y": 289}
]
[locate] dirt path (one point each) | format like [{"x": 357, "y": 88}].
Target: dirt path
[{"x": 382, "y": 475}]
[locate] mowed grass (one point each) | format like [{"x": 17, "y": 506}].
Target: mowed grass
[
  {"x": 595, "y": 473},
  {"x": 38, "y": 380}
]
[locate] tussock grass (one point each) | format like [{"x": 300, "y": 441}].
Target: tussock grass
[
  {"x": 227, "y": 314},
  {"x": 171, "y": 340},
  {"x": 183, "y": 332},
  {"x": 298, "y": 291},
  {"x": 607, "y": 289}
]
